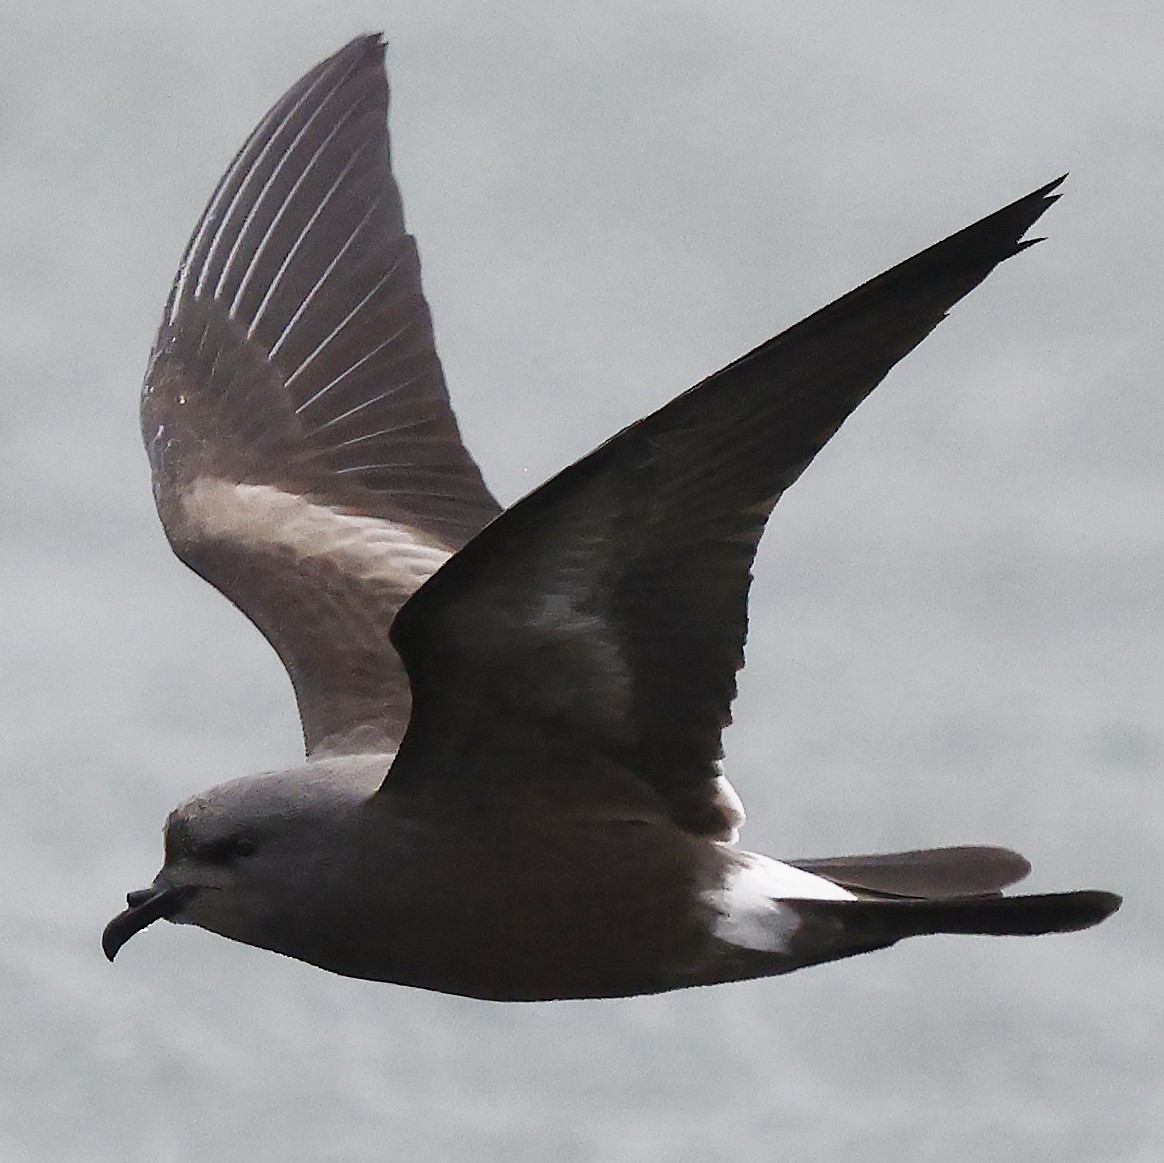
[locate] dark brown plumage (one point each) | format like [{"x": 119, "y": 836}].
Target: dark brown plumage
[{"x": 512, "y": 720}]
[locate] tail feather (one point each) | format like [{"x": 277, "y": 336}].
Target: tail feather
[
  {"x": 842, "y": 927},
  {"x": 1016, "y": 916}
]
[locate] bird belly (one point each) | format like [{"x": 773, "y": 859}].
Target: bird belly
[{"x": 593, "y": 909}]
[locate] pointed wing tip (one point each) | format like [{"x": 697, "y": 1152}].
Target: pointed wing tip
[
  {"x": 1027, "y": 210},
  {"x": 1053, "y": 184},
  {"x": 999, "y": 235},
  {"x": 364, "y": 51},
  {"x": 373, "y": 44},
  {"x": 1040, "y": 199}
]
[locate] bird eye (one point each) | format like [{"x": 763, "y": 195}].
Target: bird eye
[{"x": 227, "y": 850}]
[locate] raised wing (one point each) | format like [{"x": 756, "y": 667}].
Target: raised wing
[
  {"x": 305, "y": 458},
  {"x": 607, "y": 611}
]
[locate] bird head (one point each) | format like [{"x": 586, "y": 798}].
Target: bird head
[{"x": 241, "y": 857}]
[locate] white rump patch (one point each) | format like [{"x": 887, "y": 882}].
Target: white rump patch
[
  {"x": 749, "y": 903},
  {"x": 268, "y": 519}
]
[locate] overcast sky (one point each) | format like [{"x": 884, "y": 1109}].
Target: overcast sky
[{"x": 956, "y": 617}]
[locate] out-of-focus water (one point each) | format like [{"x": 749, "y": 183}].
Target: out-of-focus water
[{"x": 956, "y": 620}]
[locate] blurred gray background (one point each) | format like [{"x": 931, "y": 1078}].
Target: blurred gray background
[{"x": 956, "y": 620}]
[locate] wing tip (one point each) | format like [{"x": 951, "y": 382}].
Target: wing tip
[
  {"x": 1022, "y": 214},
  {"x": 970, "y": 254},
  {"x": 364, "y": 51},
  {"x": 369, "y": 44}
]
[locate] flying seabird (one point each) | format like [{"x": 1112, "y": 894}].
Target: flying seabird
[{"x": 512, "y": 786}]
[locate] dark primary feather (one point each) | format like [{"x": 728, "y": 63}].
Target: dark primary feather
[
  {"x": 296, "y": 352},
  {"x": 608, "y": 607}
]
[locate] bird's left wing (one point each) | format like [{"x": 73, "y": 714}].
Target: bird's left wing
[
  {"x": 306, "y": 461},
  {"x": 606, "y": 611}
]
